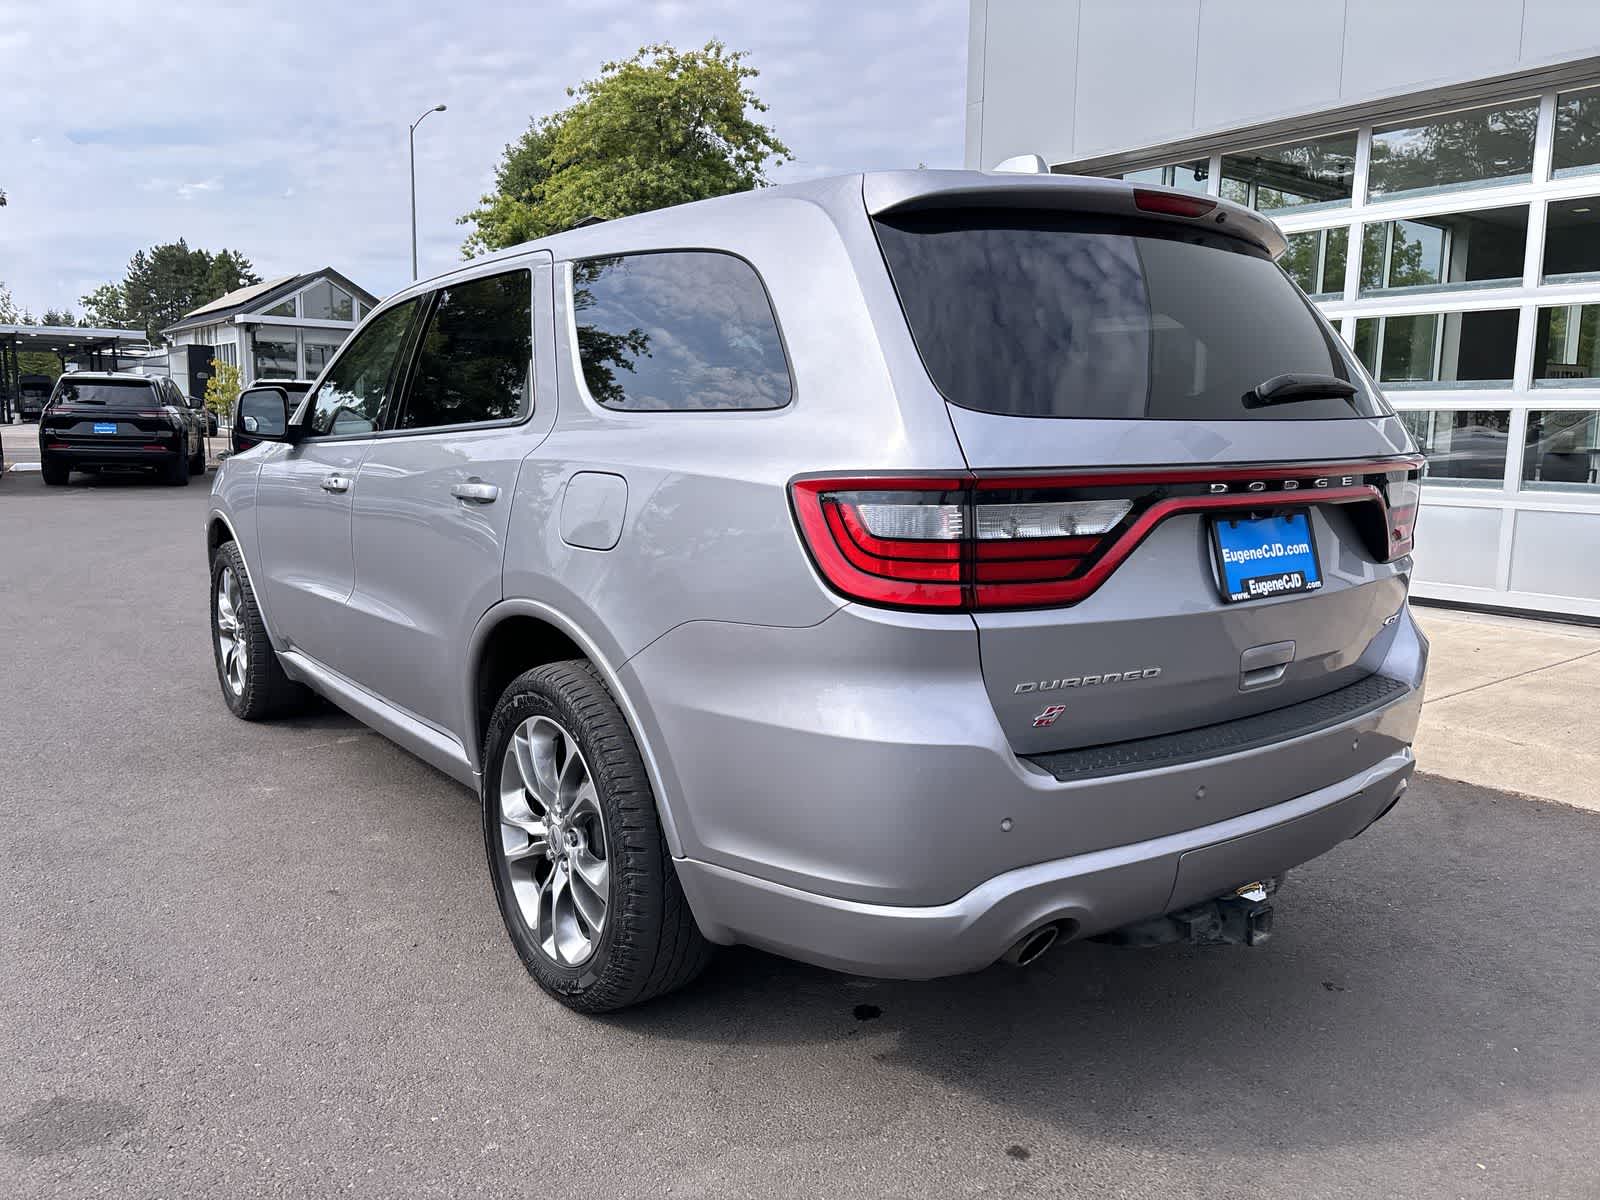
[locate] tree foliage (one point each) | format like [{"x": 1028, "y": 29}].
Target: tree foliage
[
  {"x": 165, "y": 282},
  {"x": 222, "y": 389},
  {"x": 662, "y": 127}
]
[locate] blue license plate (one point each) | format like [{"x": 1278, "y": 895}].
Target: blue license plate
[
  {"x": 1262, "y": 557},
  {"x": 105, "y": 426}
]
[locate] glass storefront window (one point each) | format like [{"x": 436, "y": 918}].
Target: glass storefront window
[
  {"x": 1577, "y": 134},
  {"x": 1561, "y": 452},
  {"x": 1481, "y": 146},
  {"x": 318, "y": 353},
  {"x": 1566, "y": 345},
  {"x": 1467, "y": 449},
  {"x": 1572, "y": 240},
  {"x": 1476, "y": 249},
  {"x": 1458, "y": 350},
  {"x": 274, "y": 357},
  {"x": 1317, "y": 173},
  {"x": 1188, "y": 177},
  {"x": 1316, "y": 261}
]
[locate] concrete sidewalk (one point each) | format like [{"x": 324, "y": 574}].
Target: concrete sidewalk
[{"x": 1512, "y": 704}]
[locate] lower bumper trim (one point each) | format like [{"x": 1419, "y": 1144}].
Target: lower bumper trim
[{"x": 1088, "y": 893}]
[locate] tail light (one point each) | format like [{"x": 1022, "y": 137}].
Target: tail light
[
  {"x": 964, "y": 543},
  {"x": 1172, "y": 204}
]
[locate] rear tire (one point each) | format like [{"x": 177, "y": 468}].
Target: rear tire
[
  {"x": 253, "y": 683},
  {"x": 197, "y": 464},
  {"x": 590, "y": 802},
  {"x": 178, "y": 470},
  {"x": 55, "y": 472}
]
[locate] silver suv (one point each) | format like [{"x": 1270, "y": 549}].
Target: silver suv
[{"x": 896, "y": 572}]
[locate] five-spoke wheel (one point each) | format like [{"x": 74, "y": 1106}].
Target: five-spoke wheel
[{"x": 233, "y": 648}]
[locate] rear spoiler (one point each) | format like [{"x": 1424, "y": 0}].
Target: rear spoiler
[{"x": 907, "y": 191}]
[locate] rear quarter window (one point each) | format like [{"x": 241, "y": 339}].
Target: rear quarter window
[
  {"x": 677, "y": 331},
  {"x": 1040, "y": 314}
]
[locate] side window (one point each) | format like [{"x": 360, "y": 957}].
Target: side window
[
  {"x": 677, "y": 331},
  {"x": 474, "y": 357},
  {"x": 352, "y": 394}
]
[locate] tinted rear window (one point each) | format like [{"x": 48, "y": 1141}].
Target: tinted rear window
[
  {"x": 106, "y": 391},
  {"x": 1035, "y": 314}
]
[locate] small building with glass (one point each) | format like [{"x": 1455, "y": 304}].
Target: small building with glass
[
  {"x": 1441, "y": 207},
  {"x": 285, "y": 328}
]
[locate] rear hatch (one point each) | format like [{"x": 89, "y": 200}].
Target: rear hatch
[
  {"x": 1188, "y": 504},
  {"x": 120, "y": 415}
]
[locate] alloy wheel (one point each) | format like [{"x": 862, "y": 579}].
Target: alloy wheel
[
  {"x": 232, "y": 641},
  {"x": 553, "y": 837}
]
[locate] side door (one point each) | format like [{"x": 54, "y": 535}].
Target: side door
[
  {"x": 304, "y": 491},
  {"x": 433, "y": 498}
]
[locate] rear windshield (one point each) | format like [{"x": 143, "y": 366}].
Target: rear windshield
[
  {"x": 1037, "y": 314},
  {"x": 104, "y": 391}
]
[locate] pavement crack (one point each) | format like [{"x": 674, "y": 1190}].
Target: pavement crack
[{"x": 1478, "y": 687}]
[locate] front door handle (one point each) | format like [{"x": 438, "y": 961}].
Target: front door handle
[
  {"x": 336, "y": 483},
  {"x": 475, "y": 493}
]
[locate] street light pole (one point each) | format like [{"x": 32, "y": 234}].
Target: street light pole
[{"x": 411, "y": 134}]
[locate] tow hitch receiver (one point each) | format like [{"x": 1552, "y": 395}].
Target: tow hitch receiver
[{"x": 1243, "y": 917}]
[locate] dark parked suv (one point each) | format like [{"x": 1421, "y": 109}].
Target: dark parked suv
[
  {"x": 115, "y": 420},
  {"x": 898, "y": 572}
]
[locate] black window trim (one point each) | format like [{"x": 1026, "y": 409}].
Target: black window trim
[
  {"x": 566, "y": 265},
  {"x": 390, "y": 427}
]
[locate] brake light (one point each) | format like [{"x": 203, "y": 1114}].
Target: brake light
[
  {"x": 1172, "y": 204},
  {"x": 964, "y": 543}
]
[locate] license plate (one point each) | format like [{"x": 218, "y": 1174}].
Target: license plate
[
  {"x": 105, "y": 426},
  {"x": 1262, "y": 557}
]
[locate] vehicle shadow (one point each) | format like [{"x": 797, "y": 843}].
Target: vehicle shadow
[{"x": 1411, "y": 984}]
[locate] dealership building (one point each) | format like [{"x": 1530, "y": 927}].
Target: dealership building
[{"x": 1435, "y": 167}]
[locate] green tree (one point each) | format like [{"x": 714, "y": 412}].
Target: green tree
[
  {"x": 165, "y": 282},
  {"x": 222, "y": 389},
  {"x": 662, "y": 127}
]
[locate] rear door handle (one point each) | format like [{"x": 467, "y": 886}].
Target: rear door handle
[
  {"x": 336, "y": 483},
  {"x": 475, "y": 493}
]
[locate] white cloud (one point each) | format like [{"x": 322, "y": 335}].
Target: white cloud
[{"x": 305, "y": 165}]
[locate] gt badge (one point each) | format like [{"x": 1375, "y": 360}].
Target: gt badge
[{"x": 1048, "y": 715}]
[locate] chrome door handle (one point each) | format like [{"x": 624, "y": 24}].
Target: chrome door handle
[
  {"x": 336, "y": 483},
  {"x": 475, "y": 493}
]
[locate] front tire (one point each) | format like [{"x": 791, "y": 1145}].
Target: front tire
[
  {"x": 254, "y": 686},
  {"x": 580, "y": 868}
]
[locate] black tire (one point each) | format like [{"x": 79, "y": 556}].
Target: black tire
[
  {"x": 197, "y": 464},
  {"x": 265, "y": 690},
  {"x": 55, "y": 472},
  {"x": 649, "y": 943},
  {"x": 178, "y": 470}
]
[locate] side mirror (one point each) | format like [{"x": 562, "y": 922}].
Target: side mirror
[{"x": 264, "y": 413}]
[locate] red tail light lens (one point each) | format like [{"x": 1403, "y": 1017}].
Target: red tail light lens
[
  {"x": 964, "y": 543},
  {"x": 1172, "y": 204}
]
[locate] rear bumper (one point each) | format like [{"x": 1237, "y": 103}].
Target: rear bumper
[
  {"x": 78, "y": 454},
  {"x": 1087, "y": 893}
]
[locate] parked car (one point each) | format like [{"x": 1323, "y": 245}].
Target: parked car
[
  {"x": 96, "y": 420},
  {"x": 900, "y": 573},
  {"x": 33, "y": 392},
  {"x": 239, "y": 437}
]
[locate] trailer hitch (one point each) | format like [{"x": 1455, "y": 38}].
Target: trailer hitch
[{"x": 1242, "y": 917}]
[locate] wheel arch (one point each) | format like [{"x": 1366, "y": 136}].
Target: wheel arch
[{"x": 517, "y": 635}]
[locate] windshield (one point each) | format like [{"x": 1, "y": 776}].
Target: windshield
[
  {"x": 106, "y": 391},
  {"x": 1038, "y": 314}
]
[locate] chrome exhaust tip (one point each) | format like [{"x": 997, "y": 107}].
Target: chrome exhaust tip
[{"x": 1031, "y": 947}]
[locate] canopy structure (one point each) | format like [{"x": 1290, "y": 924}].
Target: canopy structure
[{"x": 95, "y": 349}]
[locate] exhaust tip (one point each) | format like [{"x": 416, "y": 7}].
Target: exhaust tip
[{"x": 1031, "y": 947}]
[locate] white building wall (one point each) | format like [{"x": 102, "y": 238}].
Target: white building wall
[{"x": 1075, "y": 80}]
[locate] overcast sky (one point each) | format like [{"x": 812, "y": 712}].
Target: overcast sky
[{"x": 279, "y": 129}]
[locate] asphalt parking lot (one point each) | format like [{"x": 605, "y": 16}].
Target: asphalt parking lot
[{"x": 241, "y": 960}]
